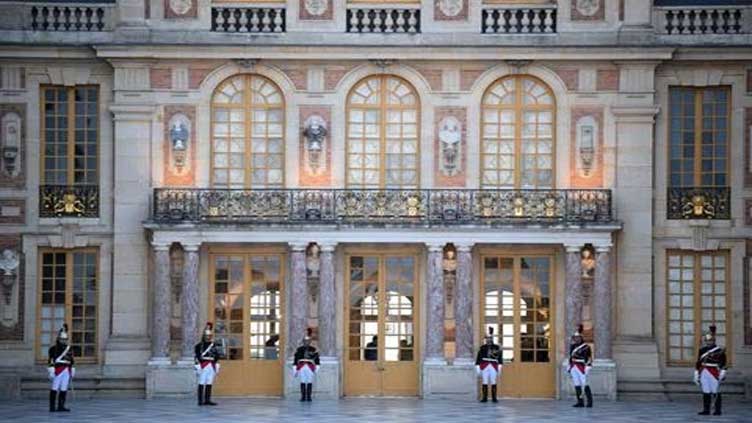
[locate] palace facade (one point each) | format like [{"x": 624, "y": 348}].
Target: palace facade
[{"x": 399, "y": 176}]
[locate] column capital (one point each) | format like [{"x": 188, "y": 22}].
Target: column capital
[
  {"x": 573, "y": 248},
  {"x": 434, "y": 247},
  {"x": 190, "y": 247},
  {"x": 160, "y": 246},
  {"x": 327, "y": 247},
  {"x": 464, "y": 246},
  {"x": 298, "y": 246}
]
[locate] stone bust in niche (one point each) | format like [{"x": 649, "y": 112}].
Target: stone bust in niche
[
  {"x": 587, "y": 263},
  {"x": 312, "y": 261},
  {"x": 315, "y": 133}
]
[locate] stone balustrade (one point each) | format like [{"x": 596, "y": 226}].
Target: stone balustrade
[
  {"x": 518, "y": 19},
  {"x": 244, "y": 19},
  {"x": 84, "y": 16},
  {"x": 702, "y": 20},
  {"x": 383, "y": 20}
]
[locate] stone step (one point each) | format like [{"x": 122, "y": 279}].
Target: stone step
[
  {"x": 87, "y": 387},
  {"x": 669, "y": 389}
]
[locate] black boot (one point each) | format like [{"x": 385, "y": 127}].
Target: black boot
[
  {"x": 207, "y": 396},
  {"x": 588, "y": 397},
  {"x": 493, "y": 393},
  {"x": 53, "y": 399},
  {"x": 705, "y": 405},
  {"x": 484, "y": 390},
  {"x": 200, "y": 394},
  {"x": 309, "y": 392},
  {"x": 303, "y": 391},
  {"x": 717, "y": 411},
  {"x": 61, "y": 401},
  {"x": 578, "y": 392}
]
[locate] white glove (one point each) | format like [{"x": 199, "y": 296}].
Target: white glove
[
  {"x": 73, "y": 372},
  {"x": 197, "y": 368},
  {"x": 216, "y": 368},
  {"x": 697, "y": 378},
  {"x": 722, "y": 375},
  {"x": 317, "y": 368},
  {"x": 587, "y": 370},
  {"x": 477, "y": 370},
  {"x": 51, "y": 373}
]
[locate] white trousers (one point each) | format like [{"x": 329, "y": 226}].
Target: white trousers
[
  {"x": 206, "y": 375},
  {"x": 489, "y": 375},
  {"x": 579, "y": 378},
  {"x": 305, "y": 374},
  {"x": 61, "y": 381},
  {"x": 708, "y": 382}
]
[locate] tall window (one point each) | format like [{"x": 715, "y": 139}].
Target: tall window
[
  {"x": 696, "y": 299},
  {"x": 698, "y": 136},
  {"x": 517, "y": 134},
  {"x": 383, "y": 134},
  {"x": 70, "y": 135},
  {"x": 248, "y": 115},
  {"x": 69, "y": 287}
]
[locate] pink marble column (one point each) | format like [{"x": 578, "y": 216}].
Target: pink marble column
[
  {"x": 189, "y": 308},
  {"x": 160, "y": 328},
  {"x": 602, "y": 303},
  {"x": 327, "y": 302},
  {"x": 298, "y": 295},
  {"x": 435, "y": 304},
  {"x": 573, "y": 288},
  {"x": 463, "y": 304}
]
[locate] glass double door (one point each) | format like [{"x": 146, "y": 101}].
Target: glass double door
[
  {"x": 516, "y": 304},
  {"x": 247, "y": 304},
  {"x": 381, "y": 324}
]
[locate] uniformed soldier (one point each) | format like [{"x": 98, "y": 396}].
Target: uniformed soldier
[
  {"x": 306, "y": 365},
  {"x": 488, "y": 365},
  {"x": 60, "y": 370},
  {"x": 206, "y": 364},
  {"x": 710, "y": 371},
  {"x": 580, "y": 363}
]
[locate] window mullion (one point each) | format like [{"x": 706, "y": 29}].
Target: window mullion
[
  {"x": 247, "y": 105},
  {"x": 71, "y": 150},
  {"x": 382, "y": 132},
  {"x": 517, "y": 132},
  {"x": 698, "y": 137}
]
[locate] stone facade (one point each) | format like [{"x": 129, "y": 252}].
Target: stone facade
[{"x": 592, "y": 70}]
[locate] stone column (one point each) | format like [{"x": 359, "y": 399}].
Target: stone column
[
  {"x": 602, "y": 302},
  {"x": 573, "y": 287},
  {"x": 189, "y": 308},
  {"x": 327, "y": 302},
  {"x": 435, "y": 305},
  {"x": 298, "y": 294},
  {"x": 160, "y": 328},
  {"x": 463, "y": 305}
]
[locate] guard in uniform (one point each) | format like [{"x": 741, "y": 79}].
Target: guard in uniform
[
  {"x": 488, "y": 366},
  {"x": 60, "y": 370},
  {"x": 580, "y": 363},
  {"x": 710, "y": 371},
  {"x": 306, "y": 366},
  {"x": 207, "y": 365}
]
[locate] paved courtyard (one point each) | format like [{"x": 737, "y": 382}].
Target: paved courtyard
[{"x": 365, "y": 410}]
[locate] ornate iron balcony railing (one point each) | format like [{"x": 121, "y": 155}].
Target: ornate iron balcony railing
[
  {"x": 424, "y": 207},
  {"x": 68, "y": 201},
  {"x": 699, "y": 203}
]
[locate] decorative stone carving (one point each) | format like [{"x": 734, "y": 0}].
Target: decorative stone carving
[
  {"x": 587, "y": 10},
  {"x": 450, "y": 7},
  {"x": 9, "y": 263},
  {"x": 587, "y": 128},
  {"x": 315, "y": 7},
  {"x": 450, "y": 10},
  {"x": 450, "y": 273},
  {"x": 11, "y": 143},
  {"x": 312, "y": 261},
  {"x": 588, "y": 263},
  {"x": 450, "y": 137},
  {"x": 586, "y": 154},
  {"x": 315, "y": 133},
  {"x": 179, "y": 138},
  {"x": 180, "y": 9}
]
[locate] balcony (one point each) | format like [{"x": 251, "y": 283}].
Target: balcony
[
  {"x": 248, "y": 19},
  {"x": 391, "y": 207},
  {"x": 702, "y": 20},
  {"x": 518, "y": 19},
  {"x": 383, "y": 19},
  {"x": 68, "y": 201},
  {"x": 699, "y": 203},
  {"x": 58, "y": 16}
]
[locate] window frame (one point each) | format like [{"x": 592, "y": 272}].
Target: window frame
[
  {"x": 698, "y": 121},
  {"x": 41, "y": 356},
  {"x": 519, "y": 107},
  {"x": 697, "y": 303},
  {"x": 71, "y": 134},
  {"x": 383, "y": 107}
]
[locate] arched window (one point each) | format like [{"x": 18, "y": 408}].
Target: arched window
[
  {"x": 248, "y": 115},
  {"x": 517, "y": 123},
  {"x": 383, "y": 134}
]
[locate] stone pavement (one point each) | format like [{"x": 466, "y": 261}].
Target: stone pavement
[{"x": 364, "y": 410}]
